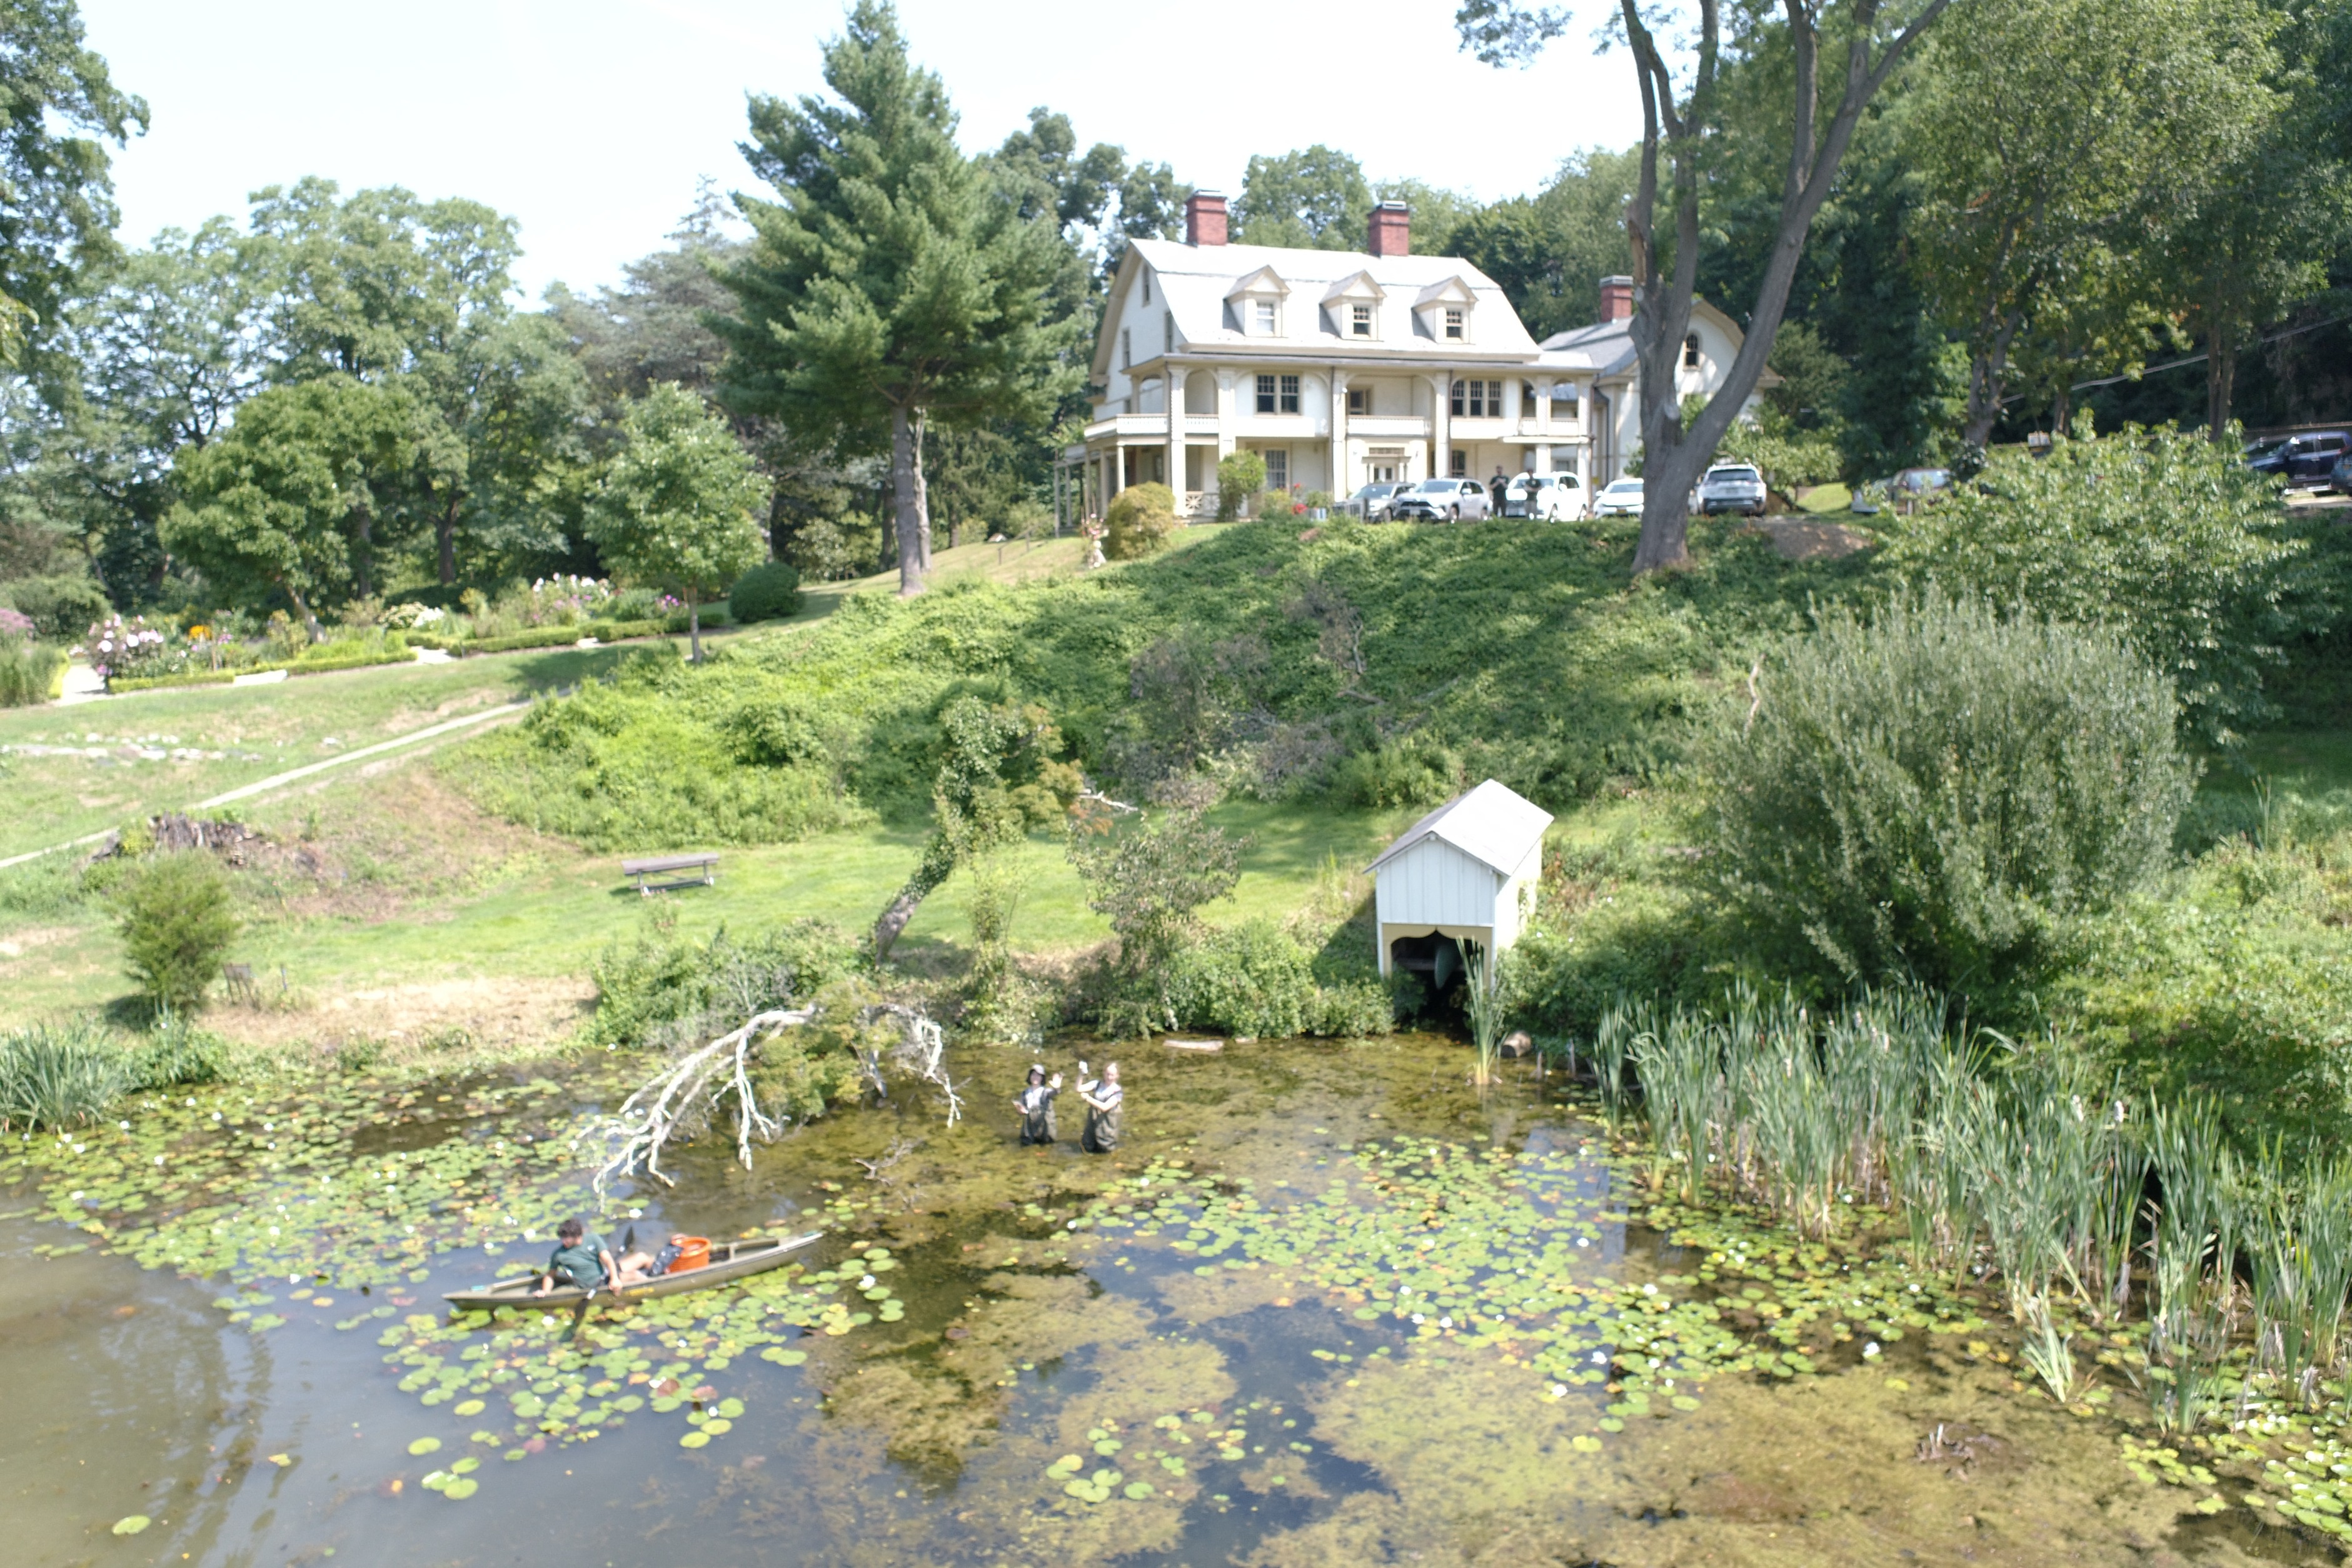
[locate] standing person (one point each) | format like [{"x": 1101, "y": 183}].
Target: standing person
[
  {"x": 1495, "y": 489},
  {"x": 1035, "y": 1104},
  {"x": 1103, "y": 1100},
  {"x": 581, "y": 1260}
]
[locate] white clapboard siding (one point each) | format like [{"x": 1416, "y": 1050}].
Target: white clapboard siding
[{"x": 1470, "y": 869}]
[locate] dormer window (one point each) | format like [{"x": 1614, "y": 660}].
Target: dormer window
[
  {"x": 1457, "y": 322},
  {"x": 1690, "y": 352},
  {"x": 1262, "y": 318},
  {"x": 1360, "y": 320}
]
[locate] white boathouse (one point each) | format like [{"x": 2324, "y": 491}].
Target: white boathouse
[{"x": 1468, "y": 872}]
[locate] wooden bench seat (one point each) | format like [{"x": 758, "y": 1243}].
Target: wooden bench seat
[{"x": 705, "y": 869}]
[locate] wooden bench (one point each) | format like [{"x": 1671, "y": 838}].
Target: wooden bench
[{"x": 705, "y": 867}]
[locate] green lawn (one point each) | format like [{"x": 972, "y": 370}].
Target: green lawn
[{"x": 244, "y": 733}]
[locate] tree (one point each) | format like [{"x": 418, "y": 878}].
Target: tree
[
  {"x": 178, "y": 921},
  {"x": 58, "y": 107},
  {"x": 1315, "y": 198},
  {"x": 2277, "y": 207},
  {"x": 1680, "y": 122},
  {"x": 678, "y": 507},
  {"x": 884, "y": 288},
  {"x": 303, "y": 492},
  {"x": 2059, "y": 145}
]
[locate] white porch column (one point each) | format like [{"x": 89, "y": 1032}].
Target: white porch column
[
  {"x": 1176, "y": 435},
  {"x": 1342, "y": 482},
  {"x": 1440, "y": 426},
  {"x": 1224, "y": 414}
]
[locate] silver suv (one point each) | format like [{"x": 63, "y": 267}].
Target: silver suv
[
  {"x": 1442, "y": 501},
  {"x": 1732, "y": 487},
  {"x": 1372, "y": 502}
]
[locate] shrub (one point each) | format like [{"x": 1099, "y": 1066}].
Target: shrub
[
  {"x": 766, "y": 592},
  {"x": 663, "y": 991},
  {"x": 59, "y": 607},
  {"x": 177, "y": 924},
  {"x": 1148, "y": 878},
  {"x": 1240, "y": 475},
  {"x": 1249, "y": 979},
  {"x": 1926, "y": 795},
  {"x": 62, "y": 1075},
  {"x": 1140, "y": 519},
  {"x": 2160, "y": 534},
  {"x": 176, "y": 1052},
  {"x": 29, "y": 672}
]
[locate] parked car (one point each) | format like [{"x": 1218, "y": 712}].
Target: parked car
[
  {"x": 1547, "y": 498},
  {"x": 2305, "y": 459},
  {"x": 1442, "y": 501},
  {"x": 1732, "y": 487},
  {"x": 2339, "y": 478},
  {"x": 1906, "y": 493},
  {"x": 1372, "y": 502},
  {"x": 1619, "y": 498}
]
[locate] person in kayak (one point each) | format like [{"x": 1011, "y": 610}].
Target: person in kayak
[
  {"x": 1035, "y": 1104},
  {"x": 581, "y": 1260},
  {"x": 636, "y": 1267},
  {"x": 1105, "y": 1101}
]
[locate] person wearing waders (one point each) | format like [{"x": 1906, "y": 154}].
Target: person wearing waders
[
  {"x": 1103, "y": 1100},
  {"x": 1035, "y": 1104}
]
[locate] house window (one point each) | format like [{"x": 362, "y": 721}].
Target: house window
[
  {"x": 1291, "y": 395},
  {"x": 1690, "y": 352},
  {"x": 1477, "y": 399},
  {"x": 1126, "y": 347},
  {"x": 1455, "y": 321},
  {"x": 1266, "y": 395},
  {"x": 1461, "y": 464},
  {"x": 1360, "y": 320},
  {"x": 1167, "y": 332},
  {"x": 1147, "y": 288},
  {"x": 1277, "y": 467},
  {"x": 1359, "y": 400},
  {"x": 1264, "y": 314}
]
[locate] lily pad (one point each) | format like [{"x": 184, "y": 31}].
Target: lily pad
[
  {"x": 426, "y": 1445},
  {"x": 131, "y": 1524}
]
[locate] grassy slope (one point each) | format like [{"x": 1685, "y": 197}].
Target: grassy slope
[{"x": 261, "y": 730}]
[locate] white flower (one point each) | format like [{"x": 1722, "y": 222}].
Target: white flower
[{"x": 1869, "y": 1349}]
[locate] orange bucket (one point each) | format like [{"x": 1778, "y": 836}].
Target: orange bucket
[{"x": 693, "y": 1252}]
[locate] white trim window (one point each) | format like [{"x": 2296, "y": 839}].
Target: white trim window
[
  {"x": 1126, "y": 348},
  {"x": 1277, "y": 467},
  {"x": 1456, "y": 323},
  {"x": 1477, "y": 399},
  {"x": 1289, "y": 395},
  {"x": 1360, "y": 320},
  {"x": 1266, "y": 395},
  {"x": 1265, "y": 319},
  {"x": 1359, "y": 400}
]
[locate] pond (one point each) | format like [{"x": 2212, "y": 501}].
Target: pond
[{"x": 1328, "y": 1304}]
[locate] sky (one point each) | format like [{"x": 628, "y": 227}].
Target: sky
[{"x": 590, "y": 120}]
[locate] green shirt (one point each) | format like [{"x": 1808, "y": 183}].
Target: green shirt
[{"x": 580, "y": 1264}]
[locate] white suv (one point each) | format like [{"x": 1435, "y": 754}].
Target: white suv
[
  {"x": 1732, "y": 487},
  {"x": 1548, "y": 498},
  {"x": 1442, "y": 501}
]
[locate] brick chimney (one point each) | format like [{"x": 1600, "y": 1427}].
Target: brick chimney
[
  {"x": 1617, "y": 299},
  {"x": 1391, "y": 229},
  {"x": 1204, "y": 218}
]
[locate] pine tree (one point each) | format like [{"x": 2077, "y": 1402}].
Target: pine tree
[{"x": 887, "y": 285}]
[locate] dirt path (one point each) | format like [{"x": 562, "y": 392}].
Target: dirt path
[{"x": 277, "y": 781}]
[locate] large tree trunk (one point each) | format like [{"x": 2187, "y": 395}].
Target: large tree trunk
[
  {"x": 1671, "y": 458},
  {"x": 907, "y": 495},
  {"x": 2220, "y": 383},
  {"x": 922, "y": 493},
  {"x": 447, "y": 532}
]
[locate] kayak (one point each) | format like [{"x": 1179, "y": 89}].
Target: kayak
[{"x": 728, "y": 1260}]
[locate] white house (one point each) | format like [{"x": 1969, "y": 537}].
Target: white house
[
  {"x": 1468, "y": 872},
  {"x": 1346, "y": 368}
]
